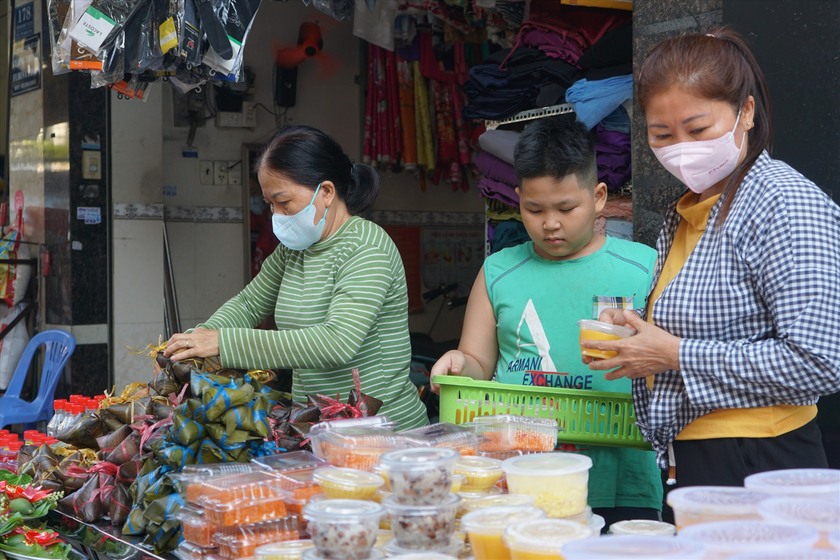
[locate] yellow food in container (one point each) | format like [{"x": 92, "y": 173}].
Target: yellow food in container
[
  {"x": 485, "y": 527},
  {"x": 557, "y": 481},
  {"x": 480, "y": 473},
  {"x": 598, "y": 330},
  {"x": 339, "y": 482}
]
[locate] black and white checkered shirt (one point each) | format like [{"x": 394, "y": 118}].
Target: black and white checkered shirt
[{"x": 757, "y": 305}]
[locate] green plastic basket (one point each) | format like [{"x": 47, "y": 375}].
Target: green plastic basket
[{"x": 584, "y": 417}]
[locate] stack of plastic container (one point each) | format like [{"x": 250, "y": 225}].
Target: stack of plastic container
[
  {"x": 356, "y": 443},
  {"x": 504, "y": 436},
  {"x": 294, "y": 475},
  {"x": 421, "y": 507},
  {"x": 230, "y": 510}
]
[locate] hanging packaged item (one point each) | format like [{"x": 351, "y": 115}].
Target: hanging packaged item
[
  {"x": 240, "y": 16},
  {"x": 101, "y": 22}
]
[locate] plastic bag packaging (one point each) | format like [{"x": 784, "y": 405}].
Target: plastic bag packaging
[
  {"x": 339, "y": 9},
  {"x": 102, "y": 21},
  {"x": 57, "y": 13},
  {"x": 191, "y": 47},
  {"x": 240, "y": 17}
]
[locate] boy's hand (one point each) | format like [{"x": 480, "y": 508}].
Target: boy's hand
[
  {"x": 648, "y": 352},
  {"x": 451, "y": 363}
]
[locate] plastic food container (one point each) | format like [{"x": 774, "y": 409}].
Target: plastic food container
[
  {"x": 191, "y": 551},
  {"x": 343, "y": 529},
  {"x": 495, "y": 500},
  {"x": 596, "y": 524},
  {"x": 823, "y": 515},
  {"x": 815, "y": 554},
  {"x": 420, "y": 475},
  {"x": 542, "y": 539},
  {"x": 195, "y": 527},
  {"x": 558, "y": 481},
  {"x": 705, "y": 504},
  {"x": 502, "y": 433},
  {"x": 812, "y": 483},
  {"x": 246, "y": 510},
  {"x": 485, "y": 527},
  {"x": 598, "y": 330},
  {"x": 313, "y": 554},
  {"x": 421, "y": 527},
  {"x": 342, "y": 482},
  {"x": 288, "y": 550},
  {"x": 254, "y": 485},
  {"x": 584, "y": 517},
  {"x": 356, "y": 447},
  {"x": 632, "y": 546},
  {"x": 450, "y": 551},
  {"x": 644, "y": 527},
  {"x": 722, "y": 539},
  {"x": 289, "y": 461},
  {"x": 444, "y": 434},
  {"x": 242, "y": 540},
  {"x": 480, "y": 473},
  {"x": 188, "y": 482},
  {"x": 457, "y": 483}
]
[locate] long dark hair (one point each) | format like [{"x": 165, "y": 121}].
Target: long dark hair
[
  {"x": 717, "y": 65},
  {"x": 308, "y": 156}
]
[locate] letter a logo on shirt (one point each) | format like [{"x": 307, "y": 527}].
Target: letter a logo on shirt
[{"x": 531, "y": 319}]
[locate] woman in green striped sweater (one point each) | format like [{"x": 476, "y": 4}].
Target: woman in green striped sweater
[{"x": 336, "y": 285}]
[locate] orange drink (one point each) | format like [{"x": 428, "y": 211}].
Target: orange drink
[{"x": 597, "y": 330}]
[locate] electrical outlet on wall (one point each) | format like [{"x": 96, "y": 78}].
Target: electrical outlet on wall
[
  {"x": 205, "y": 172},
  {"x": 220, "y": 173},
  {"x": 234, "y": 173}
]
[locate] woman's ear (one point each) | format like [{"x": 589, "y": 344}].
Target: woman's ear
[
  {"x": 328, "y": 192},
  {"x": 748, "y": 113}
]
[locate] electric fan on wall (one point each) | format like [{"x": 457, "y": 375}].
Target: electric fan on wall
[{"x": 310, "y": 45}]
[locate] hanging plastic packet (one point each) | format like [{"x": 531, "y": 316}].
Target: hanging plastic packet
[
  {"x": 213, "y": 15},
  {"x": 240, "y": 16},
  {"x": 191, "y": 48},
  {"x": 102, "y": 21},
  {"x": 113, "y": 60},
  {"x": 339, "y": 9},
  {"x": 57, "y": 13}
]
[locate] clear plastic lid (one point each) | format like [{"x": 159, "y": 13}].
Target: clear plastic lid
[
  {"x": 503, "y": 433},
  {"x": 494, "y": 519},
  {"x": 545, "y": 536},
  {"x": 515, "y": 420},
  {"x": 350, "y": 423},
  {"x": 342, "y": 511},
  {"x": 246, "y": 510},
  {"x": 643, "y": 527},
  {"x": 395, "y": 507},
  {"x": 447, "y": 552},
  {"x": 444, "y": 434},
  {"x": 356, "y": 447},
  {"x": 596, "y": 524},
  {"x": 731, "y": 500},
  {"x": 313, "y": 554},
  {"x": 818, "y": 483},
  {"x": 284, "y": 550},
  {"x": 742, "y": 535},
  {"x": 478, "y": 467},
  {"x": 254, "y": 485},
  {"x": 822, "y": 514},
  {"x": 606, "y": 328},
  {"x": 190, "y": 514},
  {"x": 547, "y": 464},
  {"x": 497, "y": 500},
  {"x": 289, "y": 461},
  {"x": 418, "y": 457},
  {"x": 284, "y": 528},
  {"x": 190, "y": 551},
  {"x": 815, "y": 554},
  {"x": 632, "y": 546},
  {"x": 347, "y": 478}
]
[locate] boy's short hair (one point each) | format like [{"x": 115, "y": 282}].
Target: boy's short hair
[{"x": 556, "y": 147}]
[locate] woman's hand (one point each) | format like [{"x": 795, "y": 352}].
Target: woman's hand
[
  {"x": 614, "y": 316},
  {"x": 451, "y": 363},
  {"x": 650, "y": 351},
  {"x": 200, "y": 343}
]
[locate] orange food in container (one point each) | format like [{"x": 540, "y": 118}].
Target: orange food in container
[
  {"x": 255, "y": 485},
  {"x": 241, "y": 541},
  {"x": 246, "y": 510},
  {"x": 444, "y": 434},
  {"x": 355, "y": 447},
  {"x": 190, "y": 481},
  {"x": 196, "y": 527},
  {"x": 505, "y": 433}
]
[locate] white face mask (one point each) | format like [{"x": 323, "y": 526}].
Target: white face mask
[
  {"x": 702, "y": 163},
  {"x": 299, "y": 231}
]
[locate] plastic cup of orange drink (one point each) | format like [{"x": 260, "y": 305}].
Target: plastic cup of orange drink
[{"x": 598, "y": 330}]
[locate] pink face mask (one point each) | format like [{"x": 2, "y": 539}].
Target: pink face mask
[{"x": 703, "y": 163}]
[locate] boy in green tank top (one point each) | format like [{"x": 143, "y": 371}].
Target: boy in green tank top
[{"x": 520, "y": 324}]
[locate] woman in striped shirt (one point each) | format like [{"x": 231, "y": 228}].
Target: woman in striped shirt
[{"x": 336, "y": 285}]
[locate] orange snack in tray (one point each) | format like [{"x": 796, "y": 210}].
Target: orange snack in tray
[
  {"x": 241, "y": 541},
  {"x": 231, "y": 488},
  {"x": 246, "y": 511},
  {"x": 199, "y": 533},
  {"x": 523, "y": 440}
]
